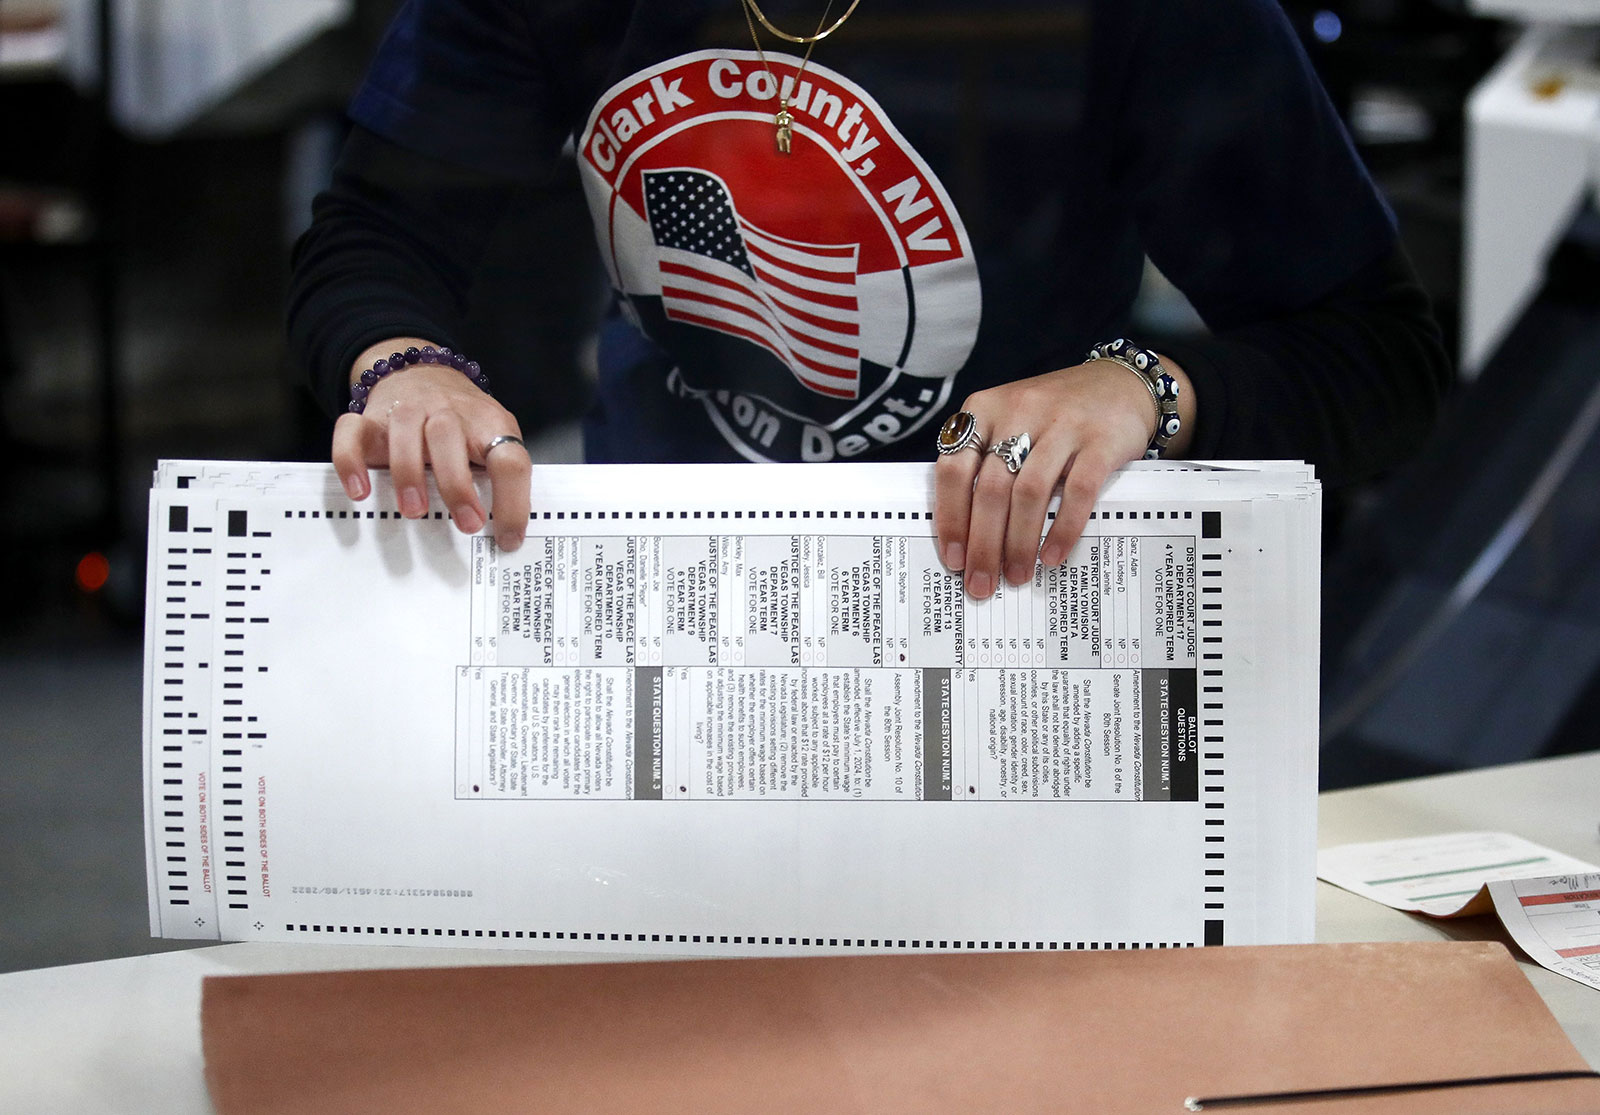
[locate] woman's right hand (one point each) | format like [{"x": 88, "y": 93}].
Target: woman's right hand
[{"x": 431, "y": 414}]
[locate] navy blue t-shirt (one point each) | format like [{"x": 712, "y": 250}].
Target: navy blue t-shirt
[{"x": 968, "y": 197}]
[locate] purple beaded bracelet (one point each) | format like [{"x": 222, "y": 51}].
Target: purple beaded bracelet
[{"x": 427, "y": 354}]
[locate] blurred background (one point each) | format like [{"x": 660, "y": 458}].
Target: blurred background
[{"x": 145, "y": 225}]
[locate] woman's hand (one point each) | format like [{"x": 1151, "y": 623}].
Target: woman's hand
[
  {"x": 431, "y": 414},
  {"x": 1085, "y": 422}
]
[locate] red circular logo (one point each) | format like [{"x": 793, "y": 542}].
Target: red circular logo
[{"x": 818, "y": 302}]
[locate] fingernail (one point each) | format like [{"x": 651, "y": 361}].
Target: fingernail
[
  {"x": 509, "y": 541},
  {"x": 1017, "y": 572},
  {"x": 955, "y": 555},
  {"x": 468, "y": 519},
  {"x": 1051, "y": 555},
  {"x": 980, "y": 585},
  {"x": 354, "y": 488},
  {"x": 411, "y": 503}
]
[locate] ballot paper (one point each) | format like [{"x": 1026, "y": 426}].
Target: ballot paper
[{"x": 729, "y": 710}]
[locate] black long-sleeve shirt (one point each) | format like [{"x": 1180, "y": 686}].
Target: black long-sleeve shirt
[{"x": 915, "y": 246}]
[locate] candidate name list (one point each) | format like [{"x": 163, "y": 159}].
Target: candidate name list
[{"x": 826, "y": 667}]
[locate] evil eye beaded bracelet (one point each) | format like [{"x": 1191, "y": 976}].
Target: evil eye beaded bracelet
[
  {"x": 427, "y": 354},
  {"x": 1163, "y": 388}
]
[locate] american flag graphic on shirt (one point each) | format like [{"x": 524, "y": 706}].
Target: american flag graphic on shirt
[{"x": 721, "y": 272}]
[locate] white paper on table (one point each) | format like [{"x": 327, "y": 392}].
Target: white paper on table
[
  {"x": 728, "y": 709},
  {"x": 1556, "y": 921},
  {"x": 1444, "y": 876}
]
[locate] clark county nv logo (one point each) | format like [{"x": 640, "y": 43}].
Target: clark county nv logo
[{"x": 817, "y": 304}]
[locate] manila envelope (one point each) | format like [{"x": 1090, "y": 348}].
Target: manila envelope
[{"x": 1101, "y": 1032}]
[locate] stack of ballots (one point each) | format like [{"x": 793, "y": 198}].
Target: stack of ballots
[{"x": 729, "y": 710}]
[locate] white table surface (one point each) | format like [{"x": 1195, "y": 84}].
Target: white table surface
[
  {"x": 124, "y": 1035},
  {"x": 1555, "y": 802}
]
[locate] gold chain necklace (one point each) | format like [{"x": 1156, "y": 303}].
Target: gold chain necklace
[
  {"x": 816, "y": 37},
  {"x": 783, "y": 118}
]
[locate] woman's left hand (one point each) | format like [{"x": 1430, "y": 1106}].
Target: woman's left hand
[{"x": 1085, "y": 422}]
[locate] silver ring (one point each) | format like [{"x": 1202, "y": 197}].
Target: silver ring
[
  {"x": 1013, "y": 451},
  {"x": 960, "y": 431},
  {"x": 503, "y": 439}
]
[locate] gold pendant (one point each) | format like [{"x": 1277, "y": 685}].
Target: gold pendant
[{"x": 785, "y": 123}]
